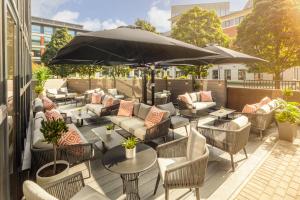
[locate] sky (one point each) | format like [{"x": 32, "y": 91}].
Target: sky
[{"x": 107, "y": 14}]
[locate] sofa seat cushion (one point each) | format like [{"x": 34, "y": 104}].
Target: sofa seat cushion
[
  {"x": 89, "y": 193},
  {"x": 168, "y": 163},
  {"x": 132, "y": 124},
  {"x": 140, "y": 133},
  {"x": 119, "y": 119},
  {"x": 95, "y": 108},
  {"x": 58, "y": 96},
  {"x": 178, "y": 121},
  {"x": 203, "y": 105}
]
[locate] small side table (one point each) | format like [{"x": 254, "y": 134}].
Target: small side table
[{"x": 115, "y": 161}]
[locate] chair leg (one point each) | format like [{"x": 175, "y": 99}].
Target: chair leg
[
  {"x": 197, "y": 193},
  {"x": 186, "y": 130},
  {"x": 165, "y": 139},
  {"x": 166, "y": 194},
  {"x": 173, "y": 134},
  {"x": 157, "y": 182},
  {"x": 232, "y": 162},
  {"x": 245, "y": 152},
  {"x": 89, "y": 168}
]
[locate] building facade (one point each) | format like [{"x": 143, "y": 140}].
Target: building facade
[
  {"x": 15, "y": 93},
  {"x": 42, "y": 31}
]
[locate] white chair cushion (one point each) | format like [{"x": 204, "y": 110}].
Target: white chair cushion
[
  {"x": 118, "y": 119},
  {"x": 264, "y": 109},
  {"x": 168, "y": 163},
  {"x": 113, "y": 91},
  {"x": 33, "y": 191},
  {"x": 194, "y": 97},
  {"x": 89, "y": 193},
  {"x": 196, "y": 145},
  {"x": 238, "y": 123},
  {"x": 52, "y": 91}
]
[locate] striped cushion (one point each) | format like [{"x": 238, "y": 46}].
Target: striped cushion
[
  {"x": 154, "y": 116},
  {"x": 249, "y": 108},
  {"x": 96, "y": 98},
  {"x": 185, "y": 98},
  {"x": 126, "y": 108},
  {"x": 265, "y": 101},
  {"x": 206, "y": 96},
  {"x": 53, "y": 115},
  {"x": 48, "y": 104}
]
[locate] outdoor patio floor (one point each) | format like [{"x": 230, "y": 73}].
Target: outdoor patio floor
[{"x": 220, "y": 181}]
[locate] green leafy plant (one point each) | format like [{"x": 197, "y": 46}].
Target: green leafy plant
[
  {"x": 53, "y": 131},
  {"x": 110, "y": 127},
  {"x": 130, "y": 143},
  {"x": 288, "y": 112},
  {"x": 287, "y": 92},
  {"x": 42, "y": 74},
  {"x": 38, "y": 89}
]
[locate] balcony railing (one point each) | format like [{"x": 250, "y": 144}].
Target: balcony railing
[{"x": 271, "y": 84}]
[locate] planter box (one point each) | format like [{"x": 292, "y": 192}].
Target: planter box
[{"x": 287, "y": 131}]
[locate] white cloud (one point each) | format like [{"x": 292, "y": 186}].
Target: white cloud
[
  {"x": 111, "y": 24},
  {"x": 66, "y": 16},
  {"x": 46, "y": 8},
  {"x": 160, "y": 18}
]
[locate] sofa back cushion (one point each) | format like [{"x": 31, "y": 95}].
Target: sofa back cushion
[
  {"x": 154, "y": 116},
  {"x": 238, "y": 123},
  {"x": 196, "y": 145},
  {"x": 33, "y": 191},
  {"x": 126, "y": 108},
  {"x": 113, "y": 91},
  {"x": 185, "y": 98},
  {"x": 53, "y": 115},
  {"x": 143, "y": 111},
  {"x": 48, "y": 104},
  {"x": 168, "y": 107},
  {"x": 265, "y": 101},
  {"x": 96, "y": 98},
  {"x": 194, "y": 97},
  {"x": 264, "y": 109},
  {"x": 206, "y": 96},
  {"x": 273, "y": 104},
  {"x": 136, "y": 108}
]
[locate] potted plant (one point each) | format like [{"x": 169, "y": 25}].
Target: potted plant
[
  {"x": 53, "y": 131},
  {"x": 130, "y": 147},
  {"x": 39, "y": 91},
  {"x": 288, "y": 118},
  {"x": 109, "y": 128}
]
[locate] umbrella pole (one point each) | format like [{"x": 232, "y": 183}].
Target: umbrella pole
[
  {"x": 152, "y": 85},
  {"x": 144, "y": 91}
]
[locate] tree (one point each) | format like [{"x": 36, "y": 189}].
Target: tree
[
  {"x": 272, "y": 32},
  {"x": 88, "y": 70},
  {"x": 145, "y": 25},
  {"x": 199, "y": 27},
  {"x": 58, "y": 40}
]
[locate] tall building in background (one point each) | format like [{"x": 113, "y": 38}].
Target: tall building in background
[{"x": 42, "y": 31}]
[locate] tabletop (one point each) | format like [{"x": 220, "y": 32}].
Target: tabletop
[
  {"x": 115, "y": 161},
  {"x": 222, "y": 112}
]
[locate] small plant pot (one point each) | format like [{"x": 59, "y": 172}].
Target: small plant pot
[
  {"x": 287, "y": 131},
  {"x": 43, "y": 177},
  {"x": 108, "y": 132},
  {"x": 130, "y": 153}
]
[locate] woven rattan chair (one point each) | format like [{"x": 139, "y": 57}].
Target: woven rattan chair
[
  {"x": 185, "y": 171},
  {"x": 219, "y": 135}
]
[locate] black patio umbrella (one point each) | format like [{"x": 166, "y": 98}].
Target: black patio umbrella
[{"x": 125, "y": 45}]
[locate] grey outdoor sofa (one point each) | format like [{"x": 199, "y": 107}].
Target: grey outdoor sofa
[
  {"x": 197, "y": 104},
  {"x": 135, "y": 125},
  {"x": 61, "y": 94}
]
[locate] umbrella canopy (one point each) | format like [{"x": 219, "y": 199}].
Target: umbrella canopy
[
  {"x": 125, "y": 45},
  {"x": 226, "y": 56}
]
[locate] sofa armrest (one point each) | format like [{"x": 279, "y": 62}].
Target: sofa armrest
[
  {"x": 159, "y": 130},
  {"x": 109, "y": 110}
]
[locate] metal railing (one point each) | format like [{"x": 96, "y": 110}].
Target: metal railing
[{"x": 271, "y": 84}]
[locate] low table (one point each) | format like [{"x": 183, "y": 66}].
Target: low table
[
  {"x": 108, "y": 140},
  {"x": 79, "y": 117},
  {"x": 115, "y": 161},
  {"x": 222, "y": 113}
]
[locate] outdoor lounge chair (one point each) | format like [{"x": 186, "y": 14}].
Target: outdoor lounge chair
[
  {"x": 56, "y": 95},
  {"x": 176, "y": 120},
  {"x": 100, "y": 110},
  {"x": 197, "y": 104},
  {"x": 182, "y": 163},
  {"x": 114, "y": 92},
  {"x": 229, "y": 136},
  {"x": 71, "y": 187},
  {"x": 160, "y": 98}
]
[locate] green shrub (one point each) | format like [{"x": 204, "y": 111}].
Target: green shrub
[
  {"x": 288, "y": 112},
  {"x": 38, "y": 89},
  {"x": 130, "y": 143}
]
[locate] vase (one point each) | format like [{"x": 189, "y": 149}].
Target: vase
[
  {"x": 287, "y": 131},
  {"x": 130, "y": 153}
]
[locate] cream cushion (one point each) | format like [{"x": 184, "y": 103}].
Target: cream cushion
[
  {"x": 112, "y": 91},
  {"x": 272, "y": 104},
  {"x": 33, "y": 191},
  {"x": 165, "y": 164},
  {"x": 88, "y": 193},
  {"x": 132, "y": 124},
  {"x": 196, "y": 145},
  {"x": 264, "y": 109},
  {"x": 238, "y": 123},
  {"x": 38, "y": 140},
  {"x": 52, "y": 91},
  {"x": 118, "y": 119},
  {"x": 194, "y": 97},
  {"x": 140, "y": 133}
]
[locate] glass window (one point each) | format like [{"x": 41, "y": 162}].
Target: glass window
[
  {"x": 72, "y": 33},
  {"x": 215, "y": 74},
  {"x": 47, "y": 39},
  {"x": 227, "y": 74},
  {"x": 36, "y": 40},
  {"x": 36, "y": 52},
  {"x": 36, "y": 29},
  {"x": 242, "y": 74},
  {"x": 48, "y": 30}
]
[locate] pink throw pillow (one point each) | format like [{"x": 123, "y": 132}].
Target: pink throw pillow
[
  {"x": 108, "y": 101},
  {"x": 72, "y": 138},
  {"x": 126, "y": 108},
  {"x": 96, "y": 98},
  {"x": 48, "y": 104},
  {"x": 265, "y": 101},
  {"x": 185, "y": 98},
  {"x": 206, "y": 96},
  {"x": 154, "y": 116},
  {"x": 250, "y": 108},
  {"x": 53, "y": 115}
]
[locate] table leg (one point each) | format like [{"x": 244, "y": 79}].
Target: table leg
[{"x": 131, "y": 185}]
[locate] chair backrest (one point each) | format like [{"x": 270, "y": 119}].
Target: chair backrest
[
  {"x": 33, "y": 191},
  {"x": 196, "y": 145}
]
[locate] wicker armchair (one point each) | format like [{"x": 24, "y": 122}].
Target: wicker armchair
[
  {"x": 230, "y": 141},
  {"x": 186, "y": 173}
]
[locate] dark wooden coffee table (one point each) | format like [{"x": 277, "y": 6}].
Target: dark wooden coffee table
[
  {"x": 108, "y": 140},
  {"x": 115, "y": 161}
]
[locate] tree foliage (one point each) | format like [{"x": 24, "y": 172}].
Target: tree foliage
[
  {"x": 145, "y": 25},
  {"x": 58, "y": 40},
  {"x": 272, "y": 32},
  {"x": 88, "y": 70}
]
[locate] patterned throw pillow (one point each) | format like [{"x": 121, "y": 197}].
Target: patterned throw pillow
[
  {"x": 71, "y": 138},
  {"x": 154, "y": 116},
  {"x": 206, "y": 96},
  {"x": 53, "y": 115},
  {"x": 185, "y": 98},
  {"x": 96, "y": 98},
  {"x": 250, "y": 108},
  {"x": 48, "y": 104},
  {"x": 126, "y": 108},
  {"x": 108, "y": 101},
  {"x": 265, "y": 101}
]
